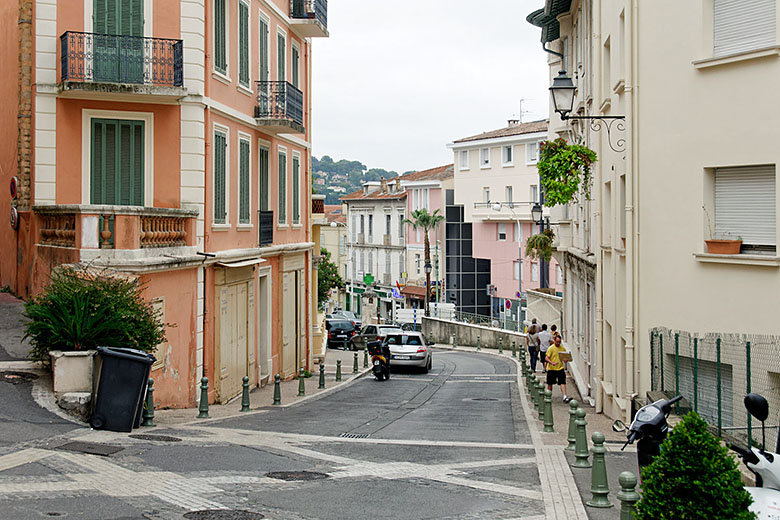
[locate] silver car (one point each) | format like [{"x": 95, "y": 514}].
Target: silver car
[{"x": 409, "y": 349}]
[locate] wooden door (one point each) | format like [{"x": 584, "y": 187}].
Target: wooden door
[
  {"x": 233, "y": 336},
  {"x": 289, "y": 324}
]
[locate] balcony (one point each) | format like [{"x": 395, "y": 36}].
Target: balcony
[
  {"x": 279, "y": 107},
  {"x": 309, "y": 18},
  {"x": 318, "y": 210},
  {"x": 510, "y": 211},
  {"x": 100, "y": 66},
  {"x": 265, "y": 226}
]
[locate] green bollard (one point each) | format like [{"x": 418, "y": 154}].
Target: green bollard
[
  {"x": 514, "y": 350},
  {"x": 355, "y": 365},
  {"x": 245, "y": 394},
  {"x": 277, "y": 390},
  {"x": 572, "y": 436},
  {"x": 627, "y": 495},
  {"x": 581, "y": 446},
  {"x": 535, "y": 391},
  {"x": 338, "y": 370},
  {"x": 541, "y": 402},
  {"x": 500, "y": 346},
  {"x": 301, "y": 383},
  {"x": 365, "y": 357},
  {"x": 203, "y": 409},
  {"x": 549, "y": 427},
  {"x": 322, "y": 376},
  {"x": 479, "y": 345},
  {"x": 598, "y": 479},
  {"x": 149, "y": 405},
  {"x": 431, "y": 342}
]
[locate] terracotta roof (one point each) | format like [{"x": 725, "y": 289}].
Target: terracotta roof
[
  {"x": 377, "y": 194},
  {"x": 519, "y": 129},
  {"x": 335, "y": 213},
  {"x": 414, "y": 290},
  {"x": 438, "y": 173}
]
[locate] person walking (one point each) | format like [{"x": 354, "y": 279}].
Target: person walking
[
  {"x": 545, "y": 340},
  {"x": 556, "y": 373},
  {"x": 532, "y": 341}
]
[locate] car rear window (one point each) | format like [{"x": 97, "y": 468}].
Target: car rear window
[
  {"x": 340, "y": 325},
  {"x": 402, "y": 339}
]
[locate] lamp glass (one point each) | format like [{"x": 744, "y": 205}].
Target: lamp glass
[
  {"x": 562, "y": 90},
  {"x": 536, "y": 212},
  {"x": 496, "y": 206},
  {"x": 428, "y": 268}
]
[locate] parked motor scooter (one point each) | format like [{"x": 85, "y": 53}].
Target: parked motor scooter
[
  {"x": 649, "y": 428},
  {"x": 380, "y": 359}
]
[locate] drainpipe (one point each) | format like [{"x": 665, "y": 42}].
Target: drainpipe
[
  {"x": 601, "y": 344},
  {"x": 203, "y": 318}
]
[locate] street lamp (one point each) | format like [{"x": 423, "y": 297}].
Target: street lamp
[
  {"x": 428, "y": 269},
  {"x": 537, "y": 214}
]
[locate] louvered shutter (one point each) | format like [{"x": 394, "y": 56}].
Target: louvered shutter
[
  {"x": 243, "y": 44},
  {"x": 745, "y": 204},
  {"x": 263, "y": 50},
  {"x": 117, "y": 175},
  {"x": 295, "y": 60},
  {"x": 282, "y": 188},
  {"x": 263, "y": 182},
  {"x": 220, "y": 53},
  {"x": 220, "y": 150},
  {"x": 281, "y": 50},
  {"x": 243, "y": 189},
  {"x": 743, "y": 25},
  {"x": 131, "y": 17},
  {"x": 296, "y": 191}
]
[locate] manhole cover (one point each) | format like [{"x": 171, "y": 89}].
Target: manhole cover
[
  {"x": 91, "y": 447},
  {"x": 222, "y": 514},
  {"x": 152, "y": 437},
  {"x": 17, "y": 378},
  {"x": 296, "y": 475},
  {"x": 354, "y": 435}
]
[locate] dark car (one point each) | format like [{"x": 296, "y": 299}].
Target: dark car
[
  {"x": 340, "y": 333},
  {"x": 412, "y": 327},
  {"x": 347, "y": 315},
  {"x": 372, "y": 333}
]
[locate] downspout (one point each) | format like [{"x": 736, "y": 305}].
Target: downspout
[
  {"x": 545, "y": 49},
  {"x": 601, "y": 342},
  {"x": 203, "y": 316}
]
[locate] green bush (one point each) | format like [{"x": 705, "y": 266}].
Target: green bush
[
  {"x": 693, "y": 478},
  {"x": 81, "y": 310}
]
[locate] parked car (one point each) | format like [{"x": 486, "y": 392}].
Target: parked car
[
  {"x": 372, "y": 333},
  {"x": 412, "y": 327},
  {"x": 340, "y": 332},
  {"x": 347, "y": 315},
  {"x": 409, "y": 349}
]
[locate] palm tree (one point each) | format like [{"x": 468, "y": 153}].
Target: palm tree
[{"x": 421, "y": 219}]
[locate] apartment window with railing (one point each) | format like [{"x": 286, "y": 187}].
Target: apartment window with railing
[
  {"x": 220, "y": 36},
  {"x": 243, "y": 181},
  {"x": 243, "y": 44}
]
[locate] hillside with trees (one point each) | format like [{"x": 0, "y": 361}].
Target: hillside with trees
[{"x": 335, "y": 179}]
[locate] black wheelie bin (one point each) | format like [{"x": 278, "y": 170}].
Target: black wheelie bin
[{"x": 121, "y": 385}]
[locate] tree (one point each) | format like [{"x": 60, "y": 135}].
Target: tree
[
  {"x": 328, "y": 278},
  {"x": 693, "y": 478},
  {"x": 421, "y": 219}
]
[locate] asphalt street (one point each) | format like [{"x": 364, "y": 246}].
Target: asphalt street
[{"x": 449, "y": 444}]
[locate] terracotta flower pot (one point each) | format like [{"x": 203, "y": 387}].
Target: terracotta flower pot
[{"x": 723, "y": 247}]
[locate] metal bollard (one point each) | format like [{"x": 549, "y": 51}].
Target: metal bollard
[
  {"x": 301, "y": 383},
  {"x": 535, "y": 383},
  {"x": 549, "y": 427},
  {"x": 627, "y": 495},
  {"x": 500, "y": 346},
  {"x": 338, "y": 370},
  {"x": 365, "y": 357},
  {"x": 514, "y": 350},
  {"x": 149, "y": 406},
  {"x": 203, "y": 409},
  {"x": 452, "y": 340},
  {"x": 581, "y": 446},
  {"x": 355, "y": 365},
  {"x": 245, "y": 394},
  {"x": 277, "y": 390},
  {"x": 479, "y": 346},
  {"x": 321, "y": 386},
  {"x": 430, "y": 339},
  {"x": 599, "y": 485},
  {"x": 572, "y": 436},
  {"x": 541, "y": 402}
]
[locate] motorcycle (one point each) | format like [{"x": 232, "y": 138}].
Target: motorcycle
[
  {"x": 649, "y": 428},
  {"x": 380, "y": 359}
]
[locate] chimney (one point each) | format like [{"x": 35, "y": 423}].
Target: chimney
[
  {"x": 513, "y": 122},
  {"x": 383, "y": 183},
  {"x": 365, "y": 189},
  {"x": 398, "y": 184}
]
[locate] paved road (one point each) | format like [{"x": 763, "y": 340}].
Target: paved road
[{"x": 450, "y": 444}]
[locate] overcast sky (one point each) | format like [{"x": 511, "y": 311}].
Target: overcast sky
[{"x": 399, "y": 79}]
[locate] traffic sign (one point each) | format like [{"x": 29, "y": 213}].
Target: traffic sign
[{"x": 508, "y": 304}]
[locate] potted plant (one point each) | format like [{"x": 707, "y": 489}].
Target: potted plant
[
  {"x": 540, "y": 245},
  {"x": 721, "y": 245},
  {"x": 80, "y": 310},
  {"x": 564, "y": 170}
]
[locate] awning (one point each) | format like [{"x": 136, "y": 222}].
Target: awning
[
  {"x": 242, "y": 263},
  {"x": 414, "y": 291}
]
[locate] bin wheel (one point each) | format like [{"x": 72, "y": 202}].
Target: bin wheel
[{"x": 97, "y": 422}]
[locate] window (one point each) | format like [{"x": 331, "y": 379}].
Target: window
[
  {"x": 464, "y": 160},
  {"x": 417, "y": 263},
  {"x": 243, "y": 182},
  {"x": 484, "y": 157},
  {"x": 370, "y": 226},
  {"x": 507, "y": 155},
  {"x": 401, "y": 265},
  {"x": 362, "y": 224},
  {"x": 501, "y": 226},
  {"x": 606, "y": 64},
  {"x": 243, "y": 44},
  {"x": 262, "y": 165},
  {"x": 281, "y": 57},
  {"x": 743, "y": 25},
  {"x": 362, "y": 262},
  {"x": 532, "y": 153},
  {"x": 118, "y": 17},
  {"x": 535, "y": 272},
  {"x": 220, "y": 46},
  {"x": 401, "y": 225},
  {"x": 517, "y": 270},
  {"x": 371, "y": 262},
  {"x": 296, "y": 202},
  {"x": 485, "y": 194},
  {"x": 559, "y": 272},
  {"x": 354, "y": 228},
  {"x": 508, "y": 194},
  {"x": 534, "y": 193},
  {"x": 342, "y": 244},
  {"x": 220, "y": 177},
  {"x": 388, "y": 223},
  {"x": 745, "y": 206},
  {"x": 387, "y": 265},
  {"x": 282, "y": 186},
  {"x": 296, "y": 58},
  {"x": 263, "y": 49},
  {"x": 565, "y": 52},
  {"x": 117, "y": 170}
]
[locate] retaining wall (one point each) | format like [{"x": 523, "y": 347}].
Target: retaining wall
[{"x": 466, "y": 334}]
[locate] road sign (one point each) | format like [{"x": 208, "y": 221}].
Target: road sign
[
  {"x": 518, "y": 295},
  {"x": 508, "y": 304},
  {"x": 396, "y": 294}
]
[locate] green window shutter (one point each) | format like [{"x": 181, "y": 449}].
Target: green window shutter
[
  {"x": 263, "y": 166},
  {"x": 296, "y": 190},
  {"x": 282, "y": 188},
  {"x": 243, "y": 44},
  {"x": 220, "y": 51},
  {"x": 295, "y": 60},
  {"x": 263, "y": 50},
  {"x": 106, "y": 17},
  {"x": 281, "y": 49},
  {"x": 131, "y": 17},
  {"x": 117, "y": 175},
  {"x": 220, "y": 154},
  {"x": 243, "y": 181}
]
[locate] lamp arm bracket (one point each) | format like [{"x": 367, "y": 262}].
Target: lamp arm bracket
[{"x": 596, "y": 124}]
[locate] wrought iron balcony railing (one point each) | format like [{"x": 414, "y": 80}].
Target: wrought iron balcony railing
[
  {"x": 265, "y": 228},
  {"x": 279, "y": 100},
  {"x": 305, "y": 9},
  {"x": 109, "y": 58}
]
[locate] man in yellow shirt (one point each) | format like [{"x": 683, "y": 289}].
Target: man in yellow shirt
[{"x": 556, "y": 373}]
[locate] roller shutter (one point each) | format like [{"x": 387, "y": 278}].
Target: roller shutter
[
  {"x": 743, "y": 25},
  {"x": 746, "y": 204}
]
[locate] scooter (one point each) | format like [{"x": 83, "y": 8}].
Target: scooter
[
  {"x": 649, "y": 428},
  {"x": 380, "y": 359}
]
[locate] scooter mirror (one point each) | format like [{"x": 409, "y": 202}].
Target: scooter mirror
[
  {"x": 618, "y": 426},
  {"x": 757, "y": 406}
]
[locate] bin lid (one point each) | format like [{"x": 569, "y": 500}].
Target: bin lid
[{"x": 127, "y": 353}]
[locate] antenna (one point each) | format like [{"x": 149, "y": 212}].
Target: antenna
[{"x": 518, "y": 118}]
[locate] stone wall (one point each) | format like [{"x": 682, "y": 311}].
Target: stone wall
[
  {"x": 466, "y": 334},
  {"x": 546, "y": 308}
]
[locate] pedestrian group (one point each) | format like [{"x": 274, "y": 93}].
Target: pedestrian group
[{"x": 545, "y": 346}]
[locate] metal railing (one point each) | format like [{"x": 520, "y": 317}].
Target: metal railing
[
  {"x": 110, "y": 58},
  {"x": 265, "y": 226},
  {"x": 317, "y": 9},
  {"x": 279, "y": 100}
]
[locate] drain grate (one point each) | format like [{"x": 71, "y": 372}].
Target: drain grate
[
  {"x": 296, "y": 475},
  {"x": 222, "y": 514},
  {"x": 153, "y": 437},
  {"x": 348, "y": 435},
  {"x": 17, "y": 378},
  {"x": 91, "y": 448}
]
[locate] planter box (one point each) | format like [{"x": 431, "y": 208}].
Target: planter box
[
  {"x": 723, "y": 247},
  {"x": 72, "y": 371}
]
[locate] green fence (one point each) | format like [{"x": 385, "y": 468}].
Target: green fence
[{"x": 714, "y": 372}]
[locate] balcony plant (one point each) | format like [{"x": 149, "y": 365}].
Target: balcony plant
[
  {"x": 723, "y": 244},
  {"x": 564, "y": 170},
  {"x": 539, "y": 246}
]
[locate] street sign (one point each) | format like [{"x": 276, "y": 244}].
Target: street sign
[
  {"x": 508, "y": 304},
  {"x": 396, "y": 294},
  {"x": 368, "y": 278},
  {"x": 518, "y": 295}
]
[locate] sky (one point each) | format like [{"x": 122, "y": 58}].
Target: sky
[{"x": 399, "y": 79}]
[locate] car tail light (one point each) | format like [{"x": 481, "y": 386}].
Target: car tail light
[
  {"x": 421, "y": 349},
  {"x": 330, "y": 334},
  {"x": 380, "y": 338}
]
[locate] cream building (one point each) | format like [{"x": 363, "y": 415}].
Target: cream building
[
  {"x": 694, "y": 158},
  {"x": 333, "y": 237}
]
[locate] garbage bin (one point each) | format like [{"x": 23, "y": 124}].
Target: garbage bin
[{"x": 122, "y": 378}]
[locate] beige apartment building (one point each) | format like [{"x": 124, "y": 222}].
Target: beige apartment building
[{"x": 694, "y": 159}]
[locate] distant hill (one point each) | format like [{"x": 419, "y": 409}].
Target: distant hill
[{"x": 335, "y": 179}]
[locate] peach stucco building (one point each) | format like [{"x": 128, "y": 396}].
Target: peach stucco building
[{"x": 171, "y": 141}]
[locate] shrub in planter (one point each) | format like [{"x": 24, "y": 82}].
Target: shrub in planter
[
  {"x": 564, "y": 170},
  {"x": 693, "y": 478},
  {"x": 81, "y": 309},
  {"x": 539, "y": 246}
]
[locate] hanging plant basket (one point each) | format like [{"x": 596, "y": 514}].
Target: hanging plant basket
[
  {"x": 539, "y": 246},
  {"x": 564, "y": 170}
]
